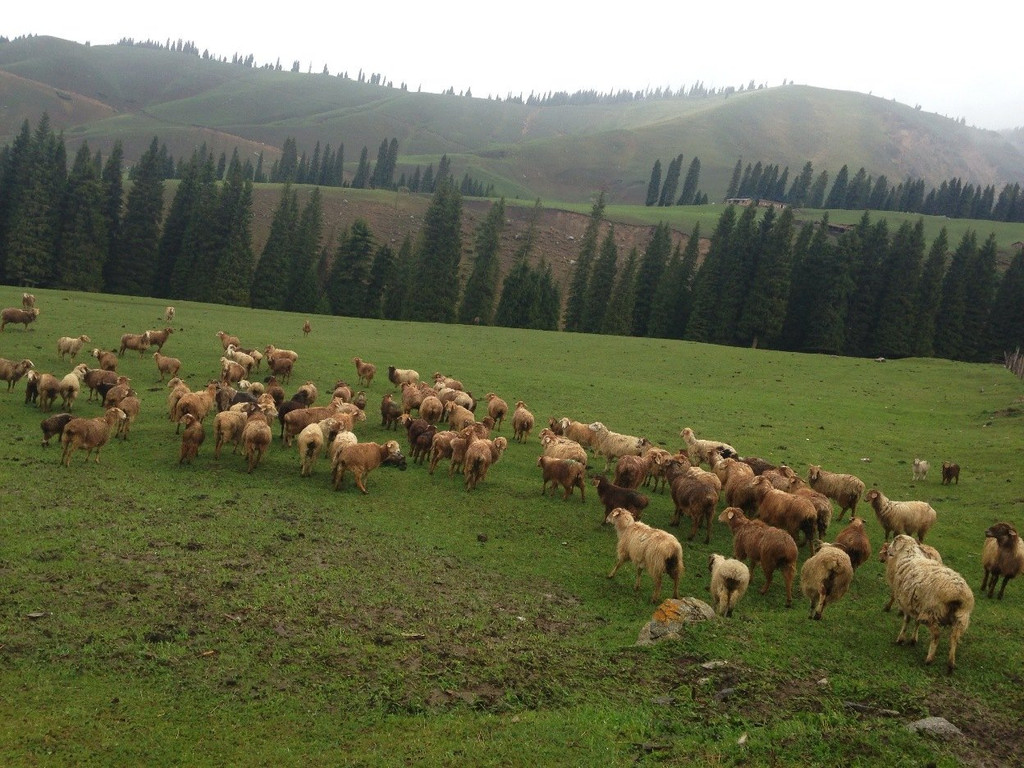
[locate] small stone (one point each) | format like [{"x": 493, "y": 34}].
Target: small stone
[
  {"x": 481, "y": 537},
  {"x": 936, "y": 726}
]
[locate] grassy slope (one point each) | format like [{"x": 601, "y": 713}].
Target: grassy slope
[{"x": 200, "y": 615}]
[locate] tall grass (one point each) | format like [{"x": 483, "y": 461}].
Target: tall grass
[{"x": 164, "y": 614}]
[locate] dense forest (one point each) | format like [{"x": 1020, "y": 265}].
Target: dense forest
[{"x": 764, "y": 282}]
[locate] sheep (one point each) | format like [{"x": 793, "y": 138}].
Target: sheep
[
  {"x": 825, "y": 577},
  {"x": 763, "y": 545},
  {"x": 131, "y": 406},
  {"x": 694, "y": 493},
  {"x": 658, "y": 459},
  {"x": 458, "y": 417},
  {"x": 423, "y": 443},
  {"x": 107, "y": 360},
  {"x": 853, "y": 540},
  {"x": 31, "y": 388},
  {"x": 359, "y": 400},
  {"x": 448, "y": 395},
  {"x": 412, "y": 397},
  {"x": 366, "y": 371},
  {"x": 113, "y": 395},
  {"x": 18, "y": 316},
  {"x": 68, "y": 345},
  {"x": 244, "y": 359},
  {"x": 360, "y": 459},
  {"x": 480, "y": 455},
  {"x": 737, "y": 483},
  {"x": 612, "y": 497},
  {"x": 256, "y": 438},
  {"x": 522, "y": 422},
  {"x": 574, "y": 430},
  {"x": 883, "y": 555},
  {"x": 699, "y": 451},
  {"x": 28, "y": 300},
  {"x": 921, "y": 468},
  {"x": 191, "y": 438},
  {"x": 928, "y": 593},
  {"x": 1002, "y": 555},
  {"x": 611, "y": 445},
  {"x": 230, "y": 371},
  {"x": 90, "y": 434},
  {"x": 69, "y": 387},
  {"x": 311, "y": 442},
  {"x": 53, "y": 426},
  {"x": 273, "y": 352},
  {"x": 794, "y": 514},
  {"x": 441, "y": 382},
  {"x": 49, "y": 389},
  {"x": 11, "y": 371},
  {"x": 950, "y": 472},
  {"x": 306, "y": 328},
  {"x": 729, "y": 581},
  {"x": 497, "y": 409},
  {"x": 400, "y": 376},
  {"x": 293, "y": 421},
  {"x": 822, "y": 504},
  {"x": 431, "y": 409},
  {"x": 198, "y": 403},
  {"x": 166, "y": 365},
  {"x": 440, "y": 448},
  {"x": 757, "y": 464},
  {"x": 658, "y": 551},
  {"x": 227, "y": 428},
  {"x": 342, "y": 391},
  {"x": 389, "y": 412},
  {"x": 844, "y": 490},
  {"x": 136, "y": 341},
  {"x": 168, "y": 314},
  {"x": 226, "y": 340},
  {"x": 562, "y": 447},
  {"x": 565, "y": 472},
  {"x": 631, "y": 471},
  {"x": 94, "y": 378},
  {"x": 177, "y": 388},
  {"x": 158, "y": 337},
  {"x": 909, "y": 517}
]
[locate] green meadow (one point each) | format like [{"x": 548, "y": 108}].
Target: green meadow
[{"x": 158, "y": 614}]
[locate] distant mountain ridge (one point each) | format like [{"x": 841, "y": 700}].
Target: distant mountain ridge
[{"x": 101, "y": 94}]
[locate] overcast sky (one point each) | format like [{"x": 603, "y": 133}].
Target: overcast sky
[{"x": 965, "y": 63}]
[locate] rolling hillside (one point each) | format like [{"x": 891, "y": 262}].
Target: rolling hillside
[{"x": 103, "y": 93}]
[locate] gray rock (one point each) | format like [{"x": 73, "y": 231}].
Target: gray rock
[
  {"x": 936, "y": 726},
  {"x": 671, "y": 618}
]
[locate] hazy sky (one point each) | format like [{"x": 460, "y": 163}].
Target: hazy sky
[{"x": 962, "y": 62}]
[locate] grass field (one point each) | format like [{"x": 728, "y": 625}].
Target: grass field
[{"x": 159, "y": 614}]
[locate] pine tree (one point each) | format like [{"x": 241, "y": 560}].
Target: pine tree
[
  {"x": 377, "y": 178},
  {"x": 14, "y": 172},
  {"x": 831, "y": 288},
  {"x": 648, "y": 276},
  {"x": 362, "y": 177},
  {"x": 1006, "y": 321},
  {"x": 619, "y": 313},
  {"x": 734, "y": 182},
  {"x": 602, "y": 280},
  {"x": 83, "y": 241},
  {"x": 547, "y": 300},
  {"x": 288, "y": 165},
  {"x": 584, "y": 264},
  {"x": 672, "y": 299},
  {"x": 949, "y": 322},
  {"x": 894, "y": 332},
  {"x": 350, "y": 274},
  {"x": 654, "y": 185},
  {"x": 816, "y": 194},
  {"x": 764, "y": 309},
  {"x": 200, "y": 239},
  {"x": 868, "y": 245},
  {"x": 979, "y": 294},
  {"x": 518, "y": 292},
  {"x": 837, "y": 195},
  {"x": 480, "y": 296},
  {"x": 858, "y": 191},
  {"x": 270, "y": 279},
  {"x": 232, "y": 272},
  {"x": 112, "y": 181},
  {"x": 929, "y": 293},
  {"x": 708, "y": 280},
  {"x": 437, "y": 255},
  {"x": 194, "y": 175},
  {"x": 395, "y": 297},
  {"x": 689, "y": 193},
  {"x": 810, "y": 241},
  {"x": 131, "y": 270},
  {"x": 303, "y": 275},
  {"x": 382, "y": 276},
  {"x": 668, "y": 189}
]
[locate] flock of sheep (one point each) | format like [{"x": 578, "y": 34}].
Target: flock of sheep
[{"x": 770, "y": 510}]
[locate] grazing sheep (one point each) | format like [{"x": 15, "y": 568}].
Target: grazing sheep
[
  {"x": 159, "y": 337},
  {"x": 763, "y": 545},
  {"x": 658, "y": 551},
  {"x": 95, "y": 378},
  {"x": 612, "y": 497},
  {"x": 69, "y": 387},
  {"x": 136, "y": 341},
  {"x": 227, "y": 340},
  {"x": 950, "y": 472},
  {"x": 11, "y": 371},
  {"x": 694, "y": 493},
  {"x": 360, "y": 459},
  {"x": 562, "y": 447},
  {"x": 921, "y": 468},
  {"x": 729, "y": 581},
  {"x": 227, "y": 428},
  {"x": 844, "y": 490},
  {"x": 497, "y": 409},
  {"x": 412, "y": 397},
  {"x": 565, "y": 472},
  {"x": 480, "y": 455},
  {"x": 256, "y": 438},
  {"x": 168, "y": 366},
  {"x": 612, "y": 445},
  {"x": 306, "y": 328},
  {"x": 168, "y": 314},
  {"x": 431, "y": 409},
  {"x": 700, "y": 451},
  {"x": 825, "y": 577},
  {"x": 131, "y": 406},
  {"x": 793, "y": 514},
  {"x": 928, "y": 593},
  {"x": 293, "y": 421},
  {"x": 107, "y": 360},
  {"x": 365, "y": 370},
  {"x": 28, "y": 300},
  {"x": 53, "y": 426},
  {"x": 1002, "y": 555},
  {"x": 311, "y": 442},
  {"x": 89, "y": 434},
  {"x": 414, "y": 428},
  {"x": 913, "y": 518},
  {"x": 244, "y": 359},
  {"x": 68, "y": 345},
  {"x": 522, "y": 422},
  {"x": 400, "y": 376},
  {"x": 18, "y": 316},
  {"x": 853, "y": 540},
  {"x": 191, "y": 438},
  {"x": 48, "y": 387}
]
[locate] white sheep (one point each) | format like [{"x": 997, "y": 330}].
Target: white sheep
[
  {"x": 910, "y": 517},
  {"x": 558, "y": 447},
  {"x": 658, "y": 551},
  {"x": 169, "y": 314},
  {"x": 400, "y": 376},
  {"x": 700, "y": 451},
  {"x": 825, "y": 577},
  {"x": 311, "y": 441},
  {"x": 1002, "y": 555},
  {"x": 844, "y": 490},
  {"x": 928, "y": 593},
  {"x": 729, "y": 581},
  {"x": 68, "y": 345},
  {"x": 921, "y": 468},
  {"x": 480, "y": 455},
  {"x": 69, "y": 388},
  {"x": 612, "y": 445},
  {"x": 245, "y": 360}
]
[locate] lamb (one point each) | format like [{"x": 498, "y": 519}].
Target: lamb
[
  {"x": 311, "y": 442},
  {"x": 68, "y": 345},
  {"x": 28, "y": 300},
  {"x": 169, "y": 314},
  {"x": 658, "y": 551},
  {"x": 18, "y": 316},
  {"x": 400, "y": 376},
  {"x": 928, "y": 593},
  {"x": 562, "y": 447},
  {"x": 389, "y": 412},
  {"x": 853, "y": 540},
  {"x": 611, "y": 445},
  {"x": 763, "y": 545},
  {"x": 49, "y": 388},
  {"x": 844, "y": 490},
  {"x": 699, "y": 451},
  {"x": 226, "y": 340},
  {"x": 497, "y": 409},
  {"x": 950, "y": 472},
  {"x": 90, "y": 434},
  {"x": 166, "y": 365},
  {"x": 191, "y": 438},
  {"x": 306, "y": 328},
  {"x": 522, "y": 422},
  {"x": 729, "y": 581},
  {"x": 158, "y": 338},
  {"x": 360, "y": 459},
  {"x": 1002, "y": 555},
  {"x": 11, "y": 371},
  {"x": 794, "y": 514},
  {"x": 131, "y": 406},
  {"x": 480, "y": 455},
  {"x": 256, "y": 438},
  {"x": 342, "y": 391},
  {"x": 567, "y": 473},
  {"x": 614, "y": 497},
  {"x": 365, "y": 370},
  {"x": 107, "y": 360},
  {"x": 909, "y": 517},
  {"x": 695, "y": 493},
  {"x": 825, "y": 577},
  {"x": 53, "y": 426},
  {"x": 69, "y": 387},
  {"x": 137, "y": 341},
  {"x": 657, "y": 460},
  {"x": 921, "y": 468}
]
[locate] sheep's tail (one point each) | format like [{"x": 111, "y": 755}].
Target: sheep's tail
[
  {"x": 310, "y": 450},
  {"x": 673, "y": 564}
]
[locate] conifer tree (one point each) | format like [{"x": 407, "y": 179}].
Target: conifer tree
[
  {"x": 232, "y": 271},
  {"x": 837, "y": 195},
  {"x": 195, "y": 175},
  {"x": 734, "y": 182},
  {"x": 648, "y": 276},
  {"x": 362, "y": 177},
  {"x": 949, "y": 322},
  {"x": 14, "y": 172},
  {"x": 686, "y": 197},
  {"x": 654, "y": 185},
  {"x": 595, "y": 306},
  {"x": 929, "y": 293},
  {"x": 764, "y": 308},
  {"x": 979, "y": 293},
  {"x": 670, "y": 310},
  {"x": 816, "y": 194},
  {"x": 831, "y": 288},
  {"x": 382, "y": 275},
  {"x": 868, "y": 246},
  {"x": 668, "y": 189},
  {"x": 350, "y": 274},
  {"x": 547, "y": 300},
  {"x": 113, "y": 196},
  {"x": 303, "y": 278},
  {"x": 584, "y": 263},
  {"x": 619, "y": 313},
  {"x": 200, "y": 238},
  {"x": 894, "y": 331},
  {"x": 395, "y": 304},
  {"x": 1006, "y": 321},
  {"x": 131, "y": 270},
  {"x": 82, "y": 244},
  {"x": 480, "y": 296},
  {"x": 437, "y": 255},
  {"x": 270, "y": 281},
  {"x": 709, "y": 279},
  {"x": 518, "y": 291},
  {"x": 810, "y": 240}
]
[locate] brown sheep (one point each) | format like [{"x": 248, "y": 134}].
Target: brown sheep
[
  {"x": 131, "y": 406},
  {"x": 431, "y": 409},
  {"x": 198, "y": 403},
  {"x": 90, "y": 434},
  {"x": 480, "y": 455},
  {"x": 695, "y": 493},
  {"x": 412, "y": 396},
  {"x": 53, "y": 426},
  {"x": 1002, "y": 555},
  {"x": 565, "y": 472},
  {"x": 227, "y": 428},
  {"x": 522, "y": 422},
  {"x": 168, "y": 314},
  {"x": 137, "y": 341},
  {"x": 763, "y": 545},
  {"x": 631, "y": 471},
  {"x": 612, "y": 497},
  {"x": 94, "y": 378},
  {"x": 107, "y": 360},
  {"x": 441, "y": 448},
  {"x": 574, "y": 430},
  {"x": 49, "y": 389},
  {"x": 18, "y": 316},
  {"x": 497, "y": 409},
  {"x": 306, "y": 328},
  {"x": 256, "y": 438},
  {"x": 166, "y": 365},
  {"x": 458, "y": 417},
  {"x": 115, "y": 393},
  {"x": 365, "y": 370},
  {"x": 191, "y": 438},
  {"x": 226, "y": 340},
  {"x": 825, "y": 577},
  {"x": 950, "y": 472},
  {"x": 11, "y": 371},
  {"x": 793, "y": 514},
  {"x": 362, "y": 458},
  {"x": 562, "y": 447},
  {"x": 913, "y": 518},
  {"x": 844, "y": 490},
  {"x": 737, "y": 483},
  {"x": 158, "y": 338},
  {"x": 28, "y": 300},
  {"x": 658, "y": 551},
  {"x": 853, "y": 540},
  {"x": 389, "y": 412}
]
